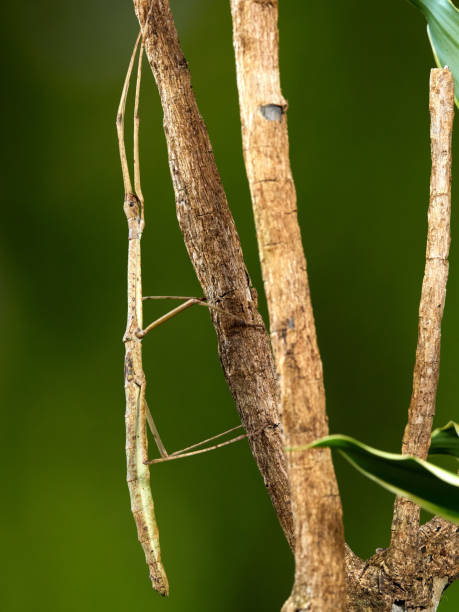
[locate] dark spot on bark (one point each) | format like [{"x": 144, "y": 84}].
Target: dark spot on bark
[
  {"x": 247, "y": 277},
  {"x": 182, "y": 63},
  {"x": 272, "y": 112},
  {"x": 291, "y": 323}
]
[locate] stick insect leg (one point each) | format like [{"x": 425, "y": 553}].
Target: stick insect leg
[
  {"x": 187, "y": 304},
  {"x": 220, "y": 435},
  {"x": 170, "y": 297},
  {"x": 120, "y": 123},
  {"x": 139, "y": 194},
  {"x": 142, "y": 333},
  {"x": 137, "y": 185},
  {"x": 196, "y": 452},
  {"x": 182, "y": 454},
  {"x": 155, "y": 433}
]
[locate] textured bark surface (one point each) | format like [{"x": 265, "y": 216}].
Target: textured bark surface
[
  {"x": 416, "y": 440},
  {"x": 376, "y": 585},
  {"x": 319, "y": 550},
  {"x": 214, "y": 248}
]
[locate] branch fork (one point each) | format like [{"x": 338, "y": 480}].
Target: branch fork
[{"x": 321, "y": 582}]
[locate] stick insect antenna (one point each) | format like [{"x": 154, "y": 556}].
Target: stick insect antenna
[
  {"x": 137, "y": 185},
  {"x": 120, "y": 122}
]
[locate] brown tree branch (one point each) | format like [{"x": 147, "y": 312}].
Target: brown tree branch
[
  {"x": 416, "y": 439},
  {"x": 439, "y": 541},
  {"x": 377, "y": 585},
  {"x": 319, "y": 552},
  {"x": 214, "y": 248},
  {"x": 422, "y": 561}
]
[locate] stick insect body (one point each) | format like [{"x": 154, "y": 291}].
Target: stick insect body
[{"x": 138, "y": 476}]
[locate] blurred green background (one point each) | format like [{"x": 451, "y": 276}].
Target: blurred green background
[{"x": 356, "y": 78}]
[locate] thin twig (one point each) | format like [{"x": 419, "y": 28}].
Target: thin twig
[
  {"x": 416, "y": 439},
  {"x": 319, "y": 550}
]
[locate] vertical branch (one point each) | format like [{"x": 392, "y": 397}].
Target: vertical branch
[
  {"x": 416, "y": 439},
  {"x": 213, "y": 245},
  {"x": 319, "y": 551}
]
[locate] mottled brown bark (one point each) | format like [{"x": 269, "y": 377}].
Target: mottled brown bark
[
  {"x": 319, "y": 551},
  {"x": 377, "y": 585},
  {"x": 214, "y": 248},
  {"x": 416, "y": 440}
]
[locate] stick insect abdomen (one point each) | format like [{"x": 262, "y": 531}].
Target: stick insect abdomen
[{"x": 138, "y": 475}]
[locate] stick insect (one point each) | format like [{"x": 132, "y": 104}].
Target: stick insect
[
  {"x": 138, "y": 476},
  {"x": 137, "y": 412}
]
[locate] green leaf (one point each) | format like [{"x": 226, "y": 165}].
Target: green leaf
[
  {"x": 443, "y": 30},
  {"x": 433, "y": 488},
  {"x": 445, "y": 440}
]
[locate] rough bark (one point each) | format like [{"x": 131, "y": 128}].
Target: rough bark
[
  {"x": 214, "y": 249},
  {"x": 416, "y": 440},
  {"x": 377, "y": 585},
  {"x": 319, "y": 551}
]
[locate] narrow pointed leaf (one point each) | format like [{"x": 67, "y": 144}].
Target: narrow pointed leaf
[
  {"x": 433, "y": 488},
  {"x": 443, "y": 30},
  {"x": 445, "y": 440}
]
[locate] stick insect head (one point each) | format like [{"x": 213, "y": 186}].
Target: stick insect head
[{"x": 132, "y": 207}]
